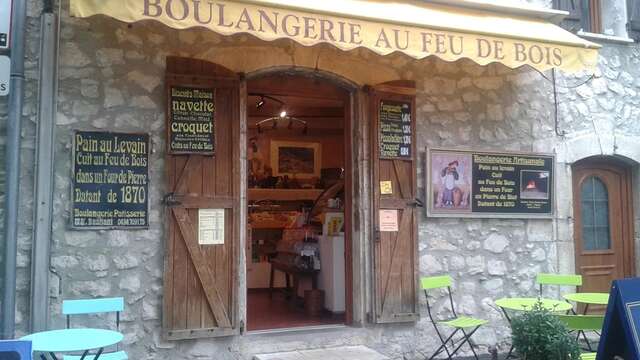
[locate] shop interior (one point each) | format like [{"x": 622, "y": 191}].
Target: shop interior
[{"x": 296, "y": 197}]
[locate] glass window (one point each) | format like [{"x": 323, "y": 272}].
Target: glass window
[{"x": 594, "y": 210}]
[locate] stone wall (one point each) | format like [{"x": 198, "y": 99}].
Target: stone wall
[{"x": 111, "y": 77}]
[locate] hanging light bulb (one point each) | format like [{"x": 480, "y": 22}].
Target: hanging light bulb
[{"x": 283, "y": 113}]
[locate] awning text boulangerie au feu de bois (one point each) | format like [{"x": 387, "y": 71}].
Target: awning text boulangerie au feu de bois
[{"x": 414, "y": 28}]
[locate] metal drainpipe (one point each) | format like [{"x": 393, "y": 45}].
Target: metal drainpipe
[
  {"x": 16, "y": 98},
  {"x": 44, "y": 187}
]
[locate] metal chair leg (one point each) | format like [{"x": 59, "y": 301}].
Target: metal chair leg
[
  {"x": 468, "y": 337},
  {"x": 444, "y": 346}
]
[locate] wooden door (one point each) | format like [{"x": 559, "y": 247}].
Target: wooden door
[
  {"x": 200, "y": 281},
  {"x": 603, "y": 228},
  {"x": 394, "y": 181}
]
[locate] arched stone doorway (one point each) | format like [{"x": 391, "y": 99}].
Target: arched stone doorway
[{"x": 309, "y": 109}]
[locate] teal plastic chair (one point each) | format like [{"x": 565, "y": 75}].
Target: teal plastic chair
[
  {"x": 458, "y": 323},
  {"x": 582, "y": 323},
  {"x": 15, "y": 350},
  {"x": 95, "y": 306},
  {"x": 559, "y": 280}
]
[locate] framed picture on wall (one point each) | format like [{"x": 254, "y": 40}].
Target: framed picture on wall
[{"x": 301, "y": 160}]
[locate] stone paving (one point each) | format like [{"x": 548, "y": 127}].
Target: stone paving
[{"x": 338, "y": 353}]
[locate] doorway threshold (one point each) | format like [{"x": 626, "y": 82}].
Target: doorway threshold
[
  {"x": 338, "y": 353},
  {"x": 297, "y": 329}
]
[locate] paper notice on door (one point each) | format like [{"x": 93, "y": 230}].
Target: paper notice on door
[
  {"x": 388, "y": 220},
  {"x": 211, "y": 226}
]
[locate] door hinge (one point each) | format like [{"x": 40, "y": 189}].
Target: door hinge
[
  {"x": 169, "y": 200},
  {"x": 415, "y": 203},
  {"x": 376, "y": 235}
]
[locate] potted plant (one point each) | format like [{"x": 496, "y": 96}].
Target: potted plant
[{"x": 539, "y": 335}]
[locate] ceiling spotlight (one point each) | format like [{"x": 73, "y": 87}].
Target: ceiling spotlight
[
  {"x": 260, "y": 103},
  {"x": 283, "y": 114}
]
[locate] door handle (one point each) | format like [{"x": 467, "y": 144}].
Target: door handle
[{"x": 415, "y": 203}]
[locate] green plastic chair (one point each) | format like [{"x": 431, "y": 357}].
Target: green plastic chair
[
  {"x": 95, "y": 306},
  {"x": 559, "y": 280},
  {"x": 459, "y": 323},
  {"x": 582, "y": 323}
]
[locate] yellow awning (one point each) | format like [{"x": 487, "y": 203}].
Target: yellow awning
[{"x": 415, "y": 28}]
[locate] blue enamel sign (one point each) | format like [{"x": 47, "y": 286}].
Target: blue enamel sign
[{"x": 621, "y": 331}]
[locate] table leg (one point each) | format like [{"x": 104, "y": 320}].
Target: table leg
[
  {"x": 271, "y": 283},
  {"x": 296, "y": 283},
  {"x": 98, "y": 354},
  {"x": 510, "y": 354},
  {"x": 53, "y": 356},
  {"x": 84, "y": 354},
  {"x": 506, "y": 315}
]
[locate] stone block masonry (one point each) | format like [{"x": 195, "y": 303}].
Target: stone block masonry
[{"x": 111, "y": 78}]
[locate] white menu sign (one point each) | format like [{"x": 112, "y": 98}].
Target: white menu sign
[
  {"x": 211, "y": 226},
  {"x": 5, "y": 23},
  {"x": 389, "y": 220}
]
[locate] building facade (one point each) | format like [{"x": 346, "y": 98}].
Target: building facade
[{"x": 112, "y": 77}]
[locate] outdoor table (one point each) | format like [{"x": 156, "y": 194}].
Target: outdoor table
[
  {"x": 588, "y": 299},
  {"x": 73, "y": 340},
  {"x": 527, "y": 304}
]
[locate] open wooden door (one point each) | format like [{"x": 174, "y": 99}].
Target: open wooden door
[
  {"x": 200, "y": 281},
  {"x": 395, "y": 247}
]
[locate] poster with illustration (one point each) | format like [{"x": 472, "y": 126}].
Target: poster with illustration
[
  {"x": 466, "y": 183},
  {"x": 451, "y": 181}
]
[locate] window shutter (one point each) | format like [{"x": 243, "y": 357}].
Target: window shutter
[
  {"x": 200, "y": 281},
  {"x": 633, "y": 26},
  {"x": 395, "y": 252},
  {"x": 578, "y": 18}
]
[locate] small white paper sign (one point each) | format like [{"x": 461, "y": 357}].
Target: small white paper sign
[
  {"x": 211, "y": 226},
  {"x": 5, "y": 75},
  {"x": 389, "y": 220}
]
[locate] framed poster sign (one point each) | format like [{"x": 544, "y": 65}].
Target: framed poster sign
[
  {"x": 395, "y": 129},
  {"x": 489, "y": 184},
  {"x": 301, "y": 160},
  {"x": 110, "y": 183},
  {"x": 191, "y": 120}
]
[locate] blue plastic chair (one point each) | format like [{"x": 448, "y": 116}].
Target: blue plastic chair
[
  {"x": 95, "y": 306},
  {"x": 15, "y": 350}
]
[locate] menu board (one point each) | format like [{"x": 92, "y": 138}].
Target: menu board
[
  {"x": 487, "y": 184},
  {"x": 621, "y": 329},
  {"x": 191, "y": 121},
  {"x": 395, "y": 129},
  {"x": 110, "y": 180}
]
